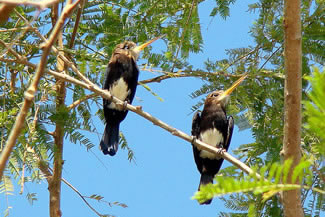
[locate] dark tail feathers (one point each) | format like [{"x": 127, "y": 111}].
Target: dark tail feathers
[
  {"x": 110, "y": 140},
  {"x": 205, "y": 179}
]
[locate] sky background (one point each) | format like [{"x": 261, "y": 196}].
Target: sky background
[{"x": 164, "y": 176}]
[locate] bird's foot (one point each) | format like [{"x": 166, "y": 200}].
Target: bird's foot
[
  {"x": 125, "y": 104},
  {"x": 193, "y": 139},
  {"x": 221, "y": 151}
]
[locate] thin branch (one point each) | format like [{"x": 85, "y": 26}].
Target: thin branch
[
  {"x": 81, "y": 196},
  {"x": 47, "y": 171},
  {"x": 268, "y": 59},
  {"x": 66, "y": 61},
  {"x": 13, "y": 29},
  {"x": 28, "y": 147},
  {"x": 76, "y": 25},
  {"x": 57, "y": 52},
  {"x": 182, "y": 74},
  {"x": 200, "y": 74},
  {"x": 79, "y": 101},
  {"x": 25, "y": 30}
]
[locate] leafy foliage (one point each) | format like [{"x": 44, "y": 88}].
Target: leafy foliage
[
  {"x": 273, "y": 181},
  {"x": 315, "y": 110}
]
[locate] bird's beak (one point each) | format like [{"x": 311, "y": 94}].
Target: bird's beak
[
  {"x": 143, "y": 46},
  {"x": 233, "y": 87}
]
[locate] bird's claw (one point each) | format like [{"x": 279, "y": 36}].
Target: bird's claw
[
  {"x": 193, "y": 139},
  {"x": 125, "y": 104},
  {"x": 221, "y": 151}
]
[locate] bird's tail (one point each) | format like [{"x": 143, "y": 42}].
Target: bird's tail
[
  {"x": 205, "y": 179},
  {"x": 110, "y": 139}
]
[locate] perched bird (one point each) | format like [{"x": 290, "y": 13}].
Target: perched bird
[
  {"x": 213, "y": 127},
  {"x": 121, "y": 80}
]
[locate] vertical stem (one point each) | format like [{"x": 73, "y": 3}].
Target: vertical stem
[
  {"x": 292, "y": 97},
  {"x": 55, "y": 181}
]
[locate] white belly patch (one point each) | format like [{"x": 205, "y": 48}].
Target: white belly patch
[
  {"x": 212, "y": 137},
  {"x": 120, "y": 90}
]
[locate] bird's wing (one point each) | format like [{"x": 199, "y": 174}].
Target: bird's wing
[
  {"x": 229, "y": 131},
  {"x": 196, "y": 124}
]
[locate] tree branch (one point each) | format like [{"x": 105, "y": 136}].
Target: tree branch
[
  {"x": 79, "y": 101},
  {"x": 105, "y": 94},
  {"x": 76, "y": 25},
  {"x": 182, "y": 74},
  {"x": 55, "y": 181},
  {"x": 136, "y": 109}
]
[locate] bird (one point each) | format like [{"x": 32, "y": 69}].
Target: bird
[
  {"x": 215, "y": 128},
  {"x": 121, "y": 81}
]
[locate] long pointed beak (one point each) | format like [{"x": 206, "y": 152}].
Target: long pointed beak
[
  {"x": 233, "y": 87},
  {"x": 141, "y": 47}
]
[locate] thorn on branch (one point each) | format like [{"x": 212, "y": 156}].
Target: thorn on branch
[{"x": 139, "y": 108}]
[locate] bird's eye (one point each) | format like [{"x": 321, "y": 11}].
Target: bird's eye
[
  {"x": 215, "y": 94},
  {"x": 126, "y": 47}
]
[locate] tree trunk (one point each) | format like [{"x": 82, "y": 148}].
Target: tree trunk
[
  {"x": 292, "y": 97},
  {"x": 55, "y": 181}
]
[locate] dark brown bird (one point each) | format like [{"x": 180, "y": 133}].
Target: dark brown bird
[
  {"x": 121, "y": 80},
  {"x": 213, "y": 127}
]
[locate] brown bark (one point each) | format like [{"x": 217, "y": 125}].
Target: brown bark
[{"x": 292, "y": 102}]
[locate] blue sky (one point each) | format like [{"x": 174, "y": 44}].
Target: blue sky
[{"x": 164, "y": 176}]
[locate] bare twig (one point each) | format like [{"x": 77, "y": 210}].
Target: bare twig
[
  {"x": 77, "y": 102},
  {"x": 81, "y": 196},
  {"x": 76, "y": 25},
  {"x": 47, "y": 171},
  {"x": 182, "y": 74}
]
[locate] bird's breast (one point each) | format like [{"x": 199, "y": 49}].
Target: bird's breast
[
  {"x": 119, "y": 89},
  {"x": 212, "y": 137}
]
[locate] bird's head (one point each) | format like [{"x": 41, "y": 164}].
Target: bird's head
[
  {"x": 220, "y": 97},
  {"x": 132, "y": 50}
]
